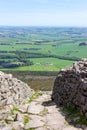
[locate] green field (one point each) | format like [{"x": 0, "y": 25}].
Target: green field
[
  {"x": 41, "y": 48},
  {"x": 44, "y": 64}
]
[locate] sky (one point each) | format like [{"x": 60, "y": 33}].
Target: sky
[{"x": 43, "y": 13}]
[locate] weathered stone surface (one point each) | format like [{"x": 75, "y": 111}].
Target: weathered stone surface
[
  {"x": 41, "y": 128},
  {"x": 12, "y": 90},
  {"x": 55, "y": 119},
  {"x": 49, "y": 118},
  {"x": 71, "y": 128},
  {"x": 52, "y": 109},
  {"x": 35, "y": 108},
  {"x": 5, "y": 127},
  {"x": 18, "y": 126},
  {"x": 13, "y": 93},
  {"x": 35, "y": 122},
  {"x": 70, "y": 87},
  {"x": 23, "y": 108},
  {"x": 40, "y": 114}
]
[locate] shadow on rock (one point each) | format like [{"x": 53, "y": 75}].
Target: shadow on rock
[{"x": 48, "y": 103}]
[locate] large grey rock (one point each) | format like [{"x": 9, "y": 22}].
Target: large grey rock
[
  {"x": 70, "y": 86},
  {"x": 12, "y": 90}
]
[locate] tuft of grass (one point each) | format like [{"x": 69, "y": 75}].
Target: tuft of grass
[
  {"x": 66, "y": 123},
  {"x": 26, "y": 120},
  {"x": 72, "y": 113},
  {"x": 71, "y": 110},
  {"x": 82, "y": 120},
  {"x": 11, "y": 112},
  {"x": 34, "y": 96},
  {"x": 6, "y": 121},
  {"x": 13, "y": 128},
  {"x": 13, "y": 109}
]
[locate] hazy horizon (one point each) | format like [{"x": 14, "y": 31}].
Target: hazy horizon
[{"x": 45, "y": 13}]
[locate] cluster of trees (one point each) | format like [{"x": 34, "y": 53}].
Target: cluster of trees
[
  {"x": 7, "y": 64},
  {"x": 16, "y": 60},
  {"x": 22, "y": 58},
  {"x": 83, "y": 44}
]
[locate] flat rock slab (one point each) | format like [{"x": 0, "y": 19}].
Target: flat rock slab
[
  {"x": 35, "y": 122},
  {"x": 35, "y": 108},
  {"x": 41, "y": 128},
  {"x": 5, "y": 127},
  {"x": 23, "y": 108},
  {"x": 43, "y": 98},
  {"x": 71, "y": 128},
  {"x": 55, "y": 120},
  {"x": 52, "y": 109}
]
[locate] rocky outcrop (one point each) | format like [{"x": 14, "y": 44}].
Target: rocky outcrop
[
  {"x": 12, "y": 90},
  {"x": 70, "y": 87}
]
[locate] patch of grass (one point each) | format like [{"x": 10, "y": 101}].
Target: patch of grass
[
  {"x": 13, "y": 128},
  {"x": 71, "y": 109},
  {"x": 66, "y": 123},
  {"x": 13, "y": 109},
  {"x": 26, "y": 120},
  {"x": 34, "y": 96},
  {"x": 11, "y": 112},
  {"x": 82, "y": 120},
  {"x": 72, "y": 113},
  {"x": 42, "y": 47},
  {"x": 6, "y": 121}
]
